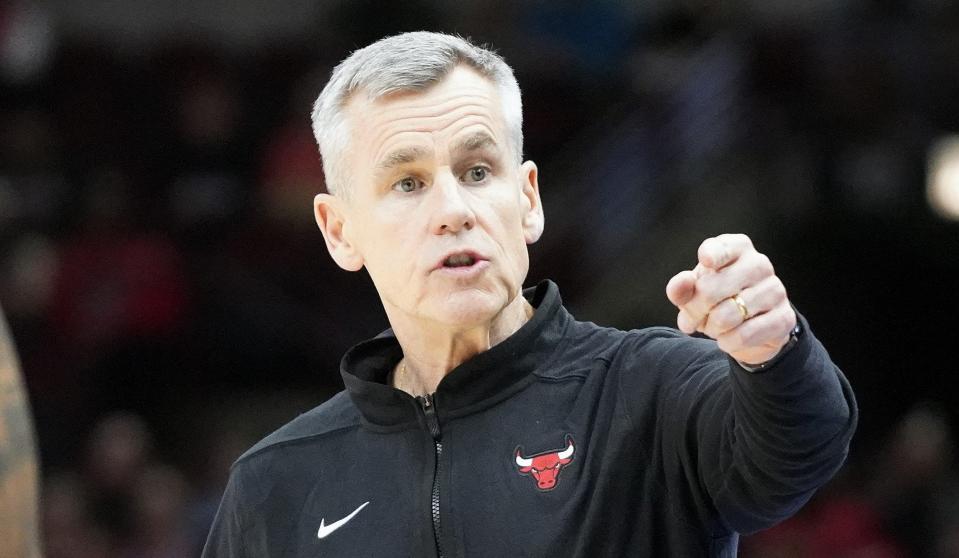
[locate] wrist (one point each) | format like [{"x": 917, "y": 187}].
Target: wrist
[{"x": 794, "y": 335}]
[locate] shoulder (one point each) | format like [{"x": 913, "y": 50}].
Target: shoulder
[
  {"x": 336, "y": 414},
  {"x": 586, "y": 343}
]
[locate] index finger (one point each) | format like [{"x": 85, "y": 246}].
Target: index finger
[{"x": 720, "y": 251}]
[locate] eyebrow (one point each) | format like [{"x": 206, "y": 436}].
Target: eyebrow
[
  {"x": 402, "y": 156},
  {"x": 474, "y": 142}
]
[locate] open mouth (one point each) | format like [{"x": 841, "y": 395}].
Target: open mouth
[{"x": 459, "y": 260}]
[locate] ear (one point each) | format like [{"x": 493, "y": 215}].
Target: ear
[
  {"x": 533, "y": 218},
  {"x": 331, "y": 217}
]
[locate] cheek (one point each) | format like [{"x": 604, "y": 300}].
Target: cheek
[
  {"x": 520, "y": 258},
  {"x": 509, "y": 225},
  {"x": 385, "y": 256},
  {"x": 393, "y": 258}
]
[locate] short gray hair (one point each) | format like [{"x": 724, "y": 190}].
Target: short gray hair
[{"x": 406, "y": 62}]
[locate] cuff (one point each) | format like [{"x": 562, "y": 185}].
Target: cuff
[{"x": 794, "y": 336}]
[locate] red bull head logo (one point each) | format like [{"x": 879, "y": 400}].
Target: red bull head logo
[{"x": 544, "y": 467}]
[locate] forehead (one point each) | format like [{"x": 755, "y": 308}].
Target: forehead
[{"x": 463, "y": 102}]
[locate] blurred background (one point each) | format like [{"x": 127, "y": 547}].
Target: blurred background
[{"x": 172, "y": 300}]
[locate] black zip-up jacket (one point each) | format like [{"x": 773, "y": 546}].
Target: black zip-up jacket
[{"x": 566, "y": 439}]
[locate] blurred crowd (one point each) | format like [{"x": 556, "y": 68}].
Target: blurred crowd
[{"x": 172, "y": 300}]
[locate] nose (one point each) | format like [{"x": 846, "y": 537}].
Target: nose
[{"x": 451, "y": 211}]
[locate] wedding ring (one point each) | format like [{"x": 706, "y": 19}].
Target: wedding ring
[{"x": 738, "y": 299}]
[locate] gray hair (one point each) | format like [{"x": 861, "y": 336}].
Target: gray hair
[{"x": 406, "y": 62}]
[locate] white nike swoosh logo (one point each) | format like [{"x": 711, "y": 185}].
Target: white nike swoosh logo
[{"x": 325, "y": 529}]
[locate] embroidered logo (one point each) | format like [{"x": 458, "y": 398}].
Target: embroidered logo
[
  {"x": 325, "y": 530},
  {"x": 544, "y": 467}
]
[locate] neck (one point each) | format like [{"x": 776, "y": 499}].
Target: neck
[{"x": 431, "y": 351}]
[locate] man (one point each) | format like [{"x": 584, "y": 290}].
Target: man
[
  {"x": 489, "y": 422},
  {"x": 18, "y": 460}
]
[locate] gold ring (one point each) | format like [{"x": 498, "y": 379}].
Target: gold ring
[{"x": 742, "y": 306}]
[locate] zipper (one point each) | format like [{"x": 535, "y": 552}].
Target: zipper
[{"x": 433, "y": 423}]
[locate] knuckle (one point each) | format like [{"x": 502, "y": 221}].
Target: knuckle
[
  {"x": 709, "y": 287},
  {"x": 785, "y": 320},
  {"x": 770, "y": 299},
  {"x": 712, "y": 295},
  {"x": 777, "y": 291},
  {"x": 704, "y": 245},
  {"x": 767, "y": 287},
  {"x": 722, "y": 318},
  {"x": 765, "y": 264},
  {"x": 736, "y": 238},
  {"x": 706, "y": 250}
]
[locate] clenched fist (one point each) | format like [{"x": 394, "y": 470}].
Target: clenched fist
[{"x": 734, "y": 296}]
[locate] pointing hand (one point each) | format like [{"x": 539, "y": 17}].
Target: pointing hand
[{"x": 734, "y": 296}]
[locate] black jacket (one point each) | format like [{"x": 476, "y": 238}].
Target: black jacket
[{"x": 566, "y": 439}]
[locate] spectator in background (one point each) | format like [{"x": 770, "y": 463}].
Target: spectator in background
[
  {"x": 18, "y": 461},
  {"x": 125, "y": 502},
  {"x": 160, "y": 505},
  {"x": 70, "y": 528},
  {"x": 914, "y": 487},
  {"x": 117, "y": 452}
]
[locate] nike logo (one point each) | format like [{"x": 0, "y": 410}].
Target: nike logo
[{"x": 325, "y": 529}]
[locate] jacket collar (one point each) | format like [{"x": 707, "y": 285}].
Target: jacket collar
[{"x": 475, "y": 384}]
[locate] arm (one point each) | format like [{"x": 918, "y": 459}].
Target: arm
[
  {"x": 752, "y": 447},
  {"x": 756, "y": 444},
  {"x": 18, "y": 461}
]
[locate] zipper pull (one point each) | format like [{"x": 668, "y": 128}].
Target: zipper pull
[{"x": 429, "y": 409}]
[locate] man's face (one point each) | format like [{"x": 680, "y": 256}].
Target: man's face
[{"x": 439, "y": 210}]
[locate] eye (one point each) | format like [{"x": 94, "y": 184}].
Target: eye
[
  {"x": 476, "y": 174},
  {"x": 408, "y": 184}
]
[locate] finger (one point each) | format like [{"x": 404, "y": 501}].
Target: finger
[
  {"x": 758, "y": 339},
  {"x": 713, "y": 287},
  {"x": 757, "y": 300},
  {"x": 687, "y": 323},
  {"x": 697, "y": 314},
  {"x": 724, "y": 317},
  {"x": 720, "y": 251},
  {"x": 681, "y": 287}
]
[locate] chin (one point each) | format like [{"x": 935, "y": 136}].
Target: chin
[{"x": 470, "y": 307}]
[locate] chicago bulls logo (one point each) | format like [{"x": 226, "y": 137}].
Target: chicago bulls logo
[{"x": 544, "y": 467}]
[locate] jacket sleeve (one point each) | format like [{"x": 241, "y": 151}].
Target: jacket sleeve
[{"x": 754, "y": 447}]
